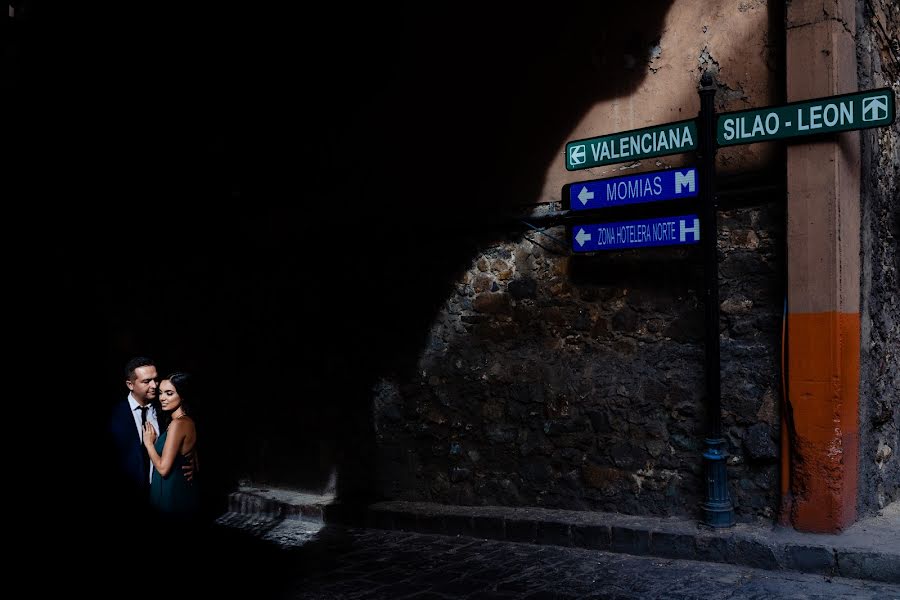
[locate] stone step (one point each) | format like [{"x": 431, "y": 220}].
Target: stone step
[
  {"x": 279, "y": 503},
  {"x": 285, "y": 533}
]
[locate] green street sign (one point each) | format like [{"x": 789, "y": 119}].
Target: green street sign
[
  {"x": 846, "y": 112},
  {"x": 660, "y": 140}
]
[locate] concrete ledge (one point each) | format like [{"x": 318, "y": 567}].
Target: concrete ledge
[
  {"x": 279, "y": 503},
  {"x": 869, "y": 554}
]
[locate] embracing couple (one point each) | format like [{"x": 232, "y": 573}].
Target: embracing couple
[{"x": 156, "y": 439}]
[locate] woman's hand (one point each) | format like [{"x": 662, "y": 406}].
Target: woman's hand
[{"x": 149, "y": 434}]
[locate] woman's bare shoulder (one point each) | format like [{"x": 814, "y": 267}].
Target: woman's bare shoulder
[{"x": 183, "y": 425}]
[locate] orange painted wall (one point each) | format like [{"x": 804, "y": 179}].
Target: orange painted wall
[{"x": 823, "y": 390}]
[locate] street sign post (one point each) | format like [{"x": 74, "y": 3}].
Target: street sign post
[
  {"x": 634, "y": 189},
  {"x": 717, "y": 508},
  {"x": 874, "y": 108},
  {"x": 648, "y": 142},
  {"x": 643, "y": 233}
]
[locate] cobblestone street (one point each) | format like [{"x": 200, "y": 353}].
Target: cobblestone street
[{"x": 332, "y": 563}]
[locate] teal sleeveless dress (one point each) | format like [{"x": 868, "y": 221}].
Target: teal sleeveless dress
[{"x": 174, "y": 495}]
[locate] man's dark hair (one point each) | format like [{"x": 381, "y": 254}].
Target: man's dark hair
[{"x": 135, "y": 363}]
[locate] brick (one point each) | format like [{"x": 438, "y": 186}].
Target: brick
[
  {"x": 488, "y": 527},
  {"x": 673, "y": 545},
  {"x": 550, "y": 532},
  {"x": 596, "y": 537},
  {"x": 630, "y": 541},
  {"x": 521, "y": 531},
  {"x": 811, "y": 559}
]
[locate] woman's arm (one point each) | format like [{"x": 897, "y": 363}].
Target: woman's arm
[{"x": 163, "y": 464}]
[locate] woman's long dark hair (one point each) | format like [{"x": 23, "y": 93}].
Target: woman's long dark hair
[{"x": 183, "y": 384}]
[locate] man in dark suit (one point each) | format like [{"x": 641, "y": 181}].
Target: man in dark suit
[{"x": 127, "y": 426}]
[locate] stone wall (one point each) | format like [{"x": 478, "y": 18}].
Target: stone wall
[
  {"x": 577, "y": 382},
  {"x": 878, "y": 60}
]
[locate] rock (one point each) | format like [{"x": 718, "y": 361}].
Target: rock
[
  {"x": 626, "y": 321},
  {"x": 482, "y": 283},
  {"x": 758, "y": 444},
  {"x": 458, "y": 474},
  {"x": 524, "y": 287},
  {"x": 687, "y": 328},
  {"x": 490, "y": 302},
  {"x": 736, "y": 306},
  {"x": 744, "y": 239}
]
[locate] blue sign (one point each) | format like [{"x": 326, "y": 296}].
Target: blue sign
[
  {"x": 666, "y": 231},
  {"x": 646, "y": 187}
]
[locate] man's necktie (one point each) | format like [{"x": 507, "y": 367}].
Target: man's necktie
[{"x": 146, "y": 457}]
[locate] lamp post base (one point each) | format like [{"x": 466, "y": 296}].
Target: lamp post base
[{"x": 717, "y": 510}]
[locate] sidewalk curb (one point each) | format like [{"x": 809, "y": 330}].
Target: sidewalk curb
[{"x": 757, "y": 546}]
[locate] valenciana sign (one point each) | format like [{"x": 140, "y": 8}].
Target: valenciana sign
[{"x": 648, "y": 142}]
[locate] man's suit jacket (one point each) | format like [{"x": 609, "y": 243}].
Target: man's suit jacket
[{"x": 131, "y": 458}]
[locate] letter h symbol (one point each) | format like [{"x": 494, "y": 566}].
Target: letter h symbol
[{"x": 695, "y": 230}]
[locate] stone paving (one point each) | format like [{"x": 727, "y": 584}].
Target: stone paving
[{"x": 309, "y": 560}]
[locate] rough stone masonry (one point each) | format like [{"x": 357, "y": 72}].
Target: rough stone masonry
[
  {"x": 878, "y": 63},
  {"x": 577, "y": 382}
]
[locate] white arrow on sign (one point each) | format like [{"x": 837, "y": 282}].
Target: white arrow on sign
[
  {"x": 577, "y": 155},
  {"x": 584, "y": 195},
  {"x": 582, "y": 237},
  {"x": 875, "y": 109}
]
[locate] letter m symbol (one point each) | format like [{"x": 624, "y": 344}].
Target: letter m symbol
[
  {"x": 685, "y": 179},
  {"x": 875, "y": 109}
]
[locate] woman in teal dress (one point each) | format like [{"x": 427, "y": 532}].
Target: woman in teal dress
[{"x": 170, "y": 492}]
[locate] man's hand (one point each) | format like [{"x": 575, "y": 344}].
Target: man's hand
[{"x": 191, "y": 466}]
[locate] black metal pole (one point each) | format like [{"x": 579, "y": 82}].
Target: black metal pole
[{"x": 717, "y": 509}]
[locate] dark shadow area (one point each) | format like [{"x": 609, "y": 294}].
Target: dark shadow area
[
  {"x": 212, "y": 562},
  {"x": 276, "y": 199}
]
